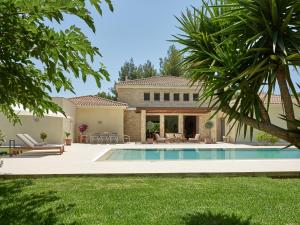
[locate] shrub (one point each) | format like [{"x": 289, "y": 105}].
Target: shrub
[
  {"x": 67, "y": 134},
  {"x": 2, "y": 138},
  {"x": 209, "y": 125},
  {"x": 43, "y": 136},
  {"x": 82, "y": 128},
  {"x": 266, "y": 138}
]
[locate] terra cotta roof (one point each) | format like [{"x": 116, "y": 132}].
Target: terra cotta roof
[
  {"x": 165, "y": 81},
  {"x": 92, "y": 100},
  {"x": 275, "y": 99}
]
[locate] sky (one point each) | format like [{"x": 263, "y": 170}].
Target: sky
[{"x": 136, "y": 28}]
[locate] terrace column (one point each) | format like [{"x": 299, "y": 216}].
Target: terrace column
[
  {"x": 143, "y": 126},
  {"x": 180, "y": 123},
  {"x": 161, "y": 125}
]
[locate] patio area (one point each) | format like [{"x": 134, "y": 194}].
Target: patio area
[{"x": 81, "y": 159}]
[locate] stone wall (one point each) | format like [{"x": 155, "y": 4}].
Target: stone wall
[
  {"x": 132, "y": 125},
  {"x": 134, "y": 97},
  {"x": 202, "y": 130}
]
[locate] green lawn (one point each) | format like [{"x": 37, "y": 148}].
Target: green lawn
[{"x": 152, "y": 200}]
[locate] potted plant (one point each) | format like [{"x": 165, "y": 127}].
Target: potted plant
[
  {"x": 43, "y": 136},
  {"x": 68, "y": 141},
  {"x": 82, "y": 129},
  {"x": 152, "y": 128},
  {"x": 208, "y": 125}
]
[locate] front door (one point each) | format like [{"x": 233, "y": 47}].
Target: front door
[{"x": 189, "y": 126}]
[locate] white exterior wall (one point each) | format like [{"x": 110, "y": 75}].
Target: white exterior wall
[
  {"x": 55, "y": 127},
  {"x": 275, "y": 111},
  {"x": 101, "y": 119},
  {"x": 51, "y": 125}
]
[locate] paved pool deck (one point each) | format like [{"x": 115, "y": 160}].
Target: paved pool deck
[{"x": 80, "y": 159}]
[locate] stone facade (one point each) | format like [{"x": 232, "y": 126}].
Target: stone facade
[
  {"x": 132, "y": 125},
  {"x": 134, "y": 97}
]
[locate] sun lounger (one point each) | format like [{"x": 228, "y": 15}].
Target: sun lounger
[{"x": 31, "y": 144}]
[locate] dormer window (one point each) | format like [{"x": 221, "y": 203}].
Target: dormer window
[
  {"x": 186, "y": 97},
  {"x": 146, "y": 96},
  {"x": 176, "y": 97},
  {"x": 156, "y": 96},
  {"x": 167, "y": 96},
  {"x": 195, "y": 97}
]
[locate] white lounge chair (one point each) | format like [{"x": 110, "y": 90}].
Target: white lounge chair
[{"x": 32, "y": 144}]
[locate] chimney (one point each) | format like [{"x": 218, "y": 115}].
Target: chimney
[{"x": 126, "y": 78}]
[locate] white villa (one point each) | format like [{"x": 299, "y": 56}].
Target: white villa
[{"x": 169, "y": 101}]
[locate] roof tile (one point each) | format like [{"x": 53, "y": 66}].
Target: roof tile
[
  {"x": 165, "y": 81},
  {"x": 275, "y": 99},
  {"x": 93, "y": 100}
]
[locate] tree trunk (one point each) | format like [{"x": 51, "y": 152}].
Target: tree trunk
[{"x": 286, "y": 98}]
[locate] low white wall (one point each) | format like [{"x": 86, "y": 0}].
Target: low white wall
[
  {"x": 51, "y": 125},
  {"x": 275, "y": 111}
]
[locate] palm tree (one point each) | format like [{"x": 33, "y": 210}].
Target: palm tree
[{"x": 239, "y": 49}]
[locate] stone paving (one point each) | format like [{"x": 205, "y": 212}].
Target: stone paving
[{"x": 82, "y": 159}]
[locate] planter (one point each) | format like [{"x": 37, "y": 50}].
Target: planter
[
  {"x": 149, "y": 140},
  {"x": 82, "y": 138},
  {"x": 68, "y": 141},
  {"x": 208, "y": 140}
]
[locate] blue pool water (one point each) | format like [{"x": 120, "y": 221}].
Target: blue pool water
[{"x": 200, "y": 154}]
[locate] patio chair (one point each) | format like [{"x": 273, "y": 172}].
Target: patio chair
[
  {"x": 103, "y": 138},
  {"x": 32, "y": 144},
  {"x": 160, "y": 139},
  {"x": 126, "y": 138},
  {"x": 113, "y": 138},
  {"x": 196, "y": 139},
  {"x": 170, "y": 137},
  {"x": 179, "y": 137},
  {"x": 94, "y": 139}
]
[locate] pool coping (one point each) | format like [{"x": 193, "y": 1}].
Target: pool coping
[
  {"x": 270, "y": 174},
  {"x": 107, "y": 150},
  {"x": 78, "y": 160}
]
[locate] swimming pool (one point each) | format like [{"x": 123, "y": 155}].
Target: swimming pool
[{"x": 200, "y": 154}]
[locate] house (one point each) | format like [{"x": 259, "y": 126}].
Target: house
[{"x": 170, "y": 102}]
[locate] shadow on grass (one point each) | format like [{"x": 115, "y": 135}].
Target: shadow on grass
[
  {"x": 19, "y": 207},
  {"x": 209, "y": 218}
]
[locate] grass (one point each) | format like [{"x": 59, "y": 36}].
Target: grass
[{"x": 149, "y": 200}]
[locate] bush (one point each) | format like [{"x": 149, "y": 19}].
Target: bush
[
  {"x": 266, "y": 138},
  {"x": 2, "y": 138},
  {"x": 67, "y": 134},
  {"x": 43, "y": 136}
]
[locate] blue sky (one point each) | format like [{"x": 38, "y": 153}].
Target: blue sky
[{"x": 137, "y": 28}]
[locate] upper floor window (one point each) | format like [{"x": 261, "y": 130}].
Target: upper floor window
[
  {"x": 156, "y": 96},
  {"x": 146, "y": 96},
  {"x": 166, "y": 96},
  {"x": 176, "y": 97},
  {"x": 186, "y": 97},
  {"x": 195, "y": 97}
]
